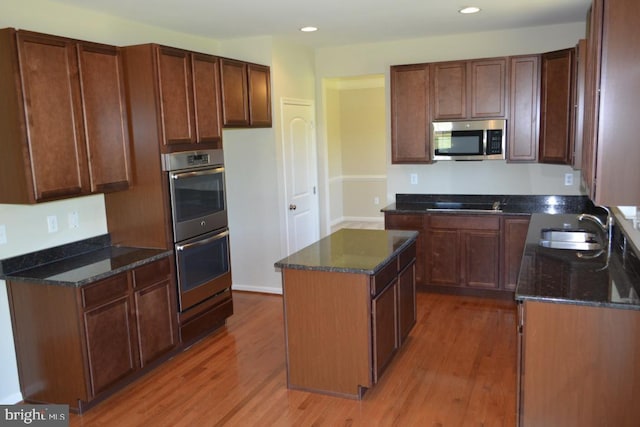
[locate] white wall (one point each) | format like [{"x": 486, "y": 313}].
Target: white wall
[
  {"x": 26, "y": 228},
  {"x": 451, "y": 177}
]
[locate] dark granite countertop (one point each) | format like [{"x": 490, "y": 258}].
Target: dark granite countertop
[
  {"x": 351, "y": 251},
  {"x": 77, "y": 264},
  {"x": 559, "y": 275},
  {"x": 488, "y": 204}
]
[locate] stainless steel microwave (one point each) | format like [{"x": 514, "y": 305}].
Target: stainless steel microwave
[{"x": 469, "y": 140}]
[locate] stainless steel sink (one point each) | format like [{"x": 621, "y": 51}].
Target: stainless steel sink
[{"x": 572, "y": 239}]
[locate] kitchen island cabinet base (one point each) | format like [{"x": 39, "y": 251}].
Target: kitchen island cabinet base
[{"x": 327, "y": 354}]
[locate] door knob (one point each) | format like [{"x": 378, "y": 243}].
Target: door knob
[{"x": 292, "y": 207}]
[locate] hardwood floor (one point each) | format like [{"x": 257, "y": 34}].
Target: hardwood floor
[{"x": 458, "y": 368}]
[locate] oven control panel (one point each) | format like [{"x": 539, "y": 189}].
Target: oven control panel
[{"x": 192, "y": 159}]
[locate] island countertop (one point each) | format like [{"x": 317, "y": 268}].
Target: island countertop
[{"x": 350, "y": 251}]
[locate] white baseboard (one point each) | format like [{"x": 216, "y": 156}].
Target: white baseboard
[
  {"x": 11, "y": 399},
  {"x": 261, "y": 289},
  {"x": 376, "y": 219}
]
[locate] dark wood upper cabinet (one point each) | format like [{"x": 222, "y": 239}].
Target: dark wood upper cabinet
[
  {"x": 488, "y": 87},
  {"x": 470, "y": 89},
  {"x": 259, "y": 78},
  {"x": 235, "y": 92},
  {"x": 556, "y": 106},
  {"x": 189, "y": 98},
  {"x": 449, "y": 90},
  {"x": 410, "y": 114},
  {"x": 577, "y": 133},
  {"x": 524, "y": 105},
  {"x": 611, "y": 145},
  {"x": 206, "y": 98},
  {"x": 105, "y": 117},
  {"x": 246, "y": 94},
  {"x": 63, "y": 128},
  {"x": 176, "y": 96}
]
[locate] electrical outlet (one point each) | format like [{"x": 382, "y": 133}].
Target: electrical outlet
[
  {"x": 52, "y": 223},
  {"x": 3, "y": 234},
  {"x": 414, "y": 179},
  {"x": 74, "y": 220},
  {"x": 568, "y": 179},
  {"x": 376, "y": 201}
]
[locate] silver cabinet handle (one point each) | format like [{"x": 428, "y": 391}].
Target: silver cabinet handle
[{"x": 292, "y": 207}]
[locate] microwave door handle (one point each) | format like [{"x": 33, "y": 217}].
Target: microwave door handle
[
  {"x": 202, "y": 242},
  {"x": 180, "y": 175}
]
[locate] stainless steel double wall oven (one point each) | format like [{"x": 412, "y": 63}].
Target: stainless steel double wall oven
[{"x": 200, "y": 229}]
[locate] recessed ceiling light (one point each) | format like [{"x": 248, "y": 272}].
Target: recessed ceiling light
[
  {"x": 469, "y": 9},
  {"x": 308, "y": 29}
]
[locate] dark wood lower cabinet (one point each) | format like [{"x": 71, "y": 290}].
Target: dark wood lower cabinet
[
  {"x": 466, "y": 254},
  {"x": 110, "y": 350},
  {"x": 578, "y": 365},
  {"x": 384, "y": 309},
  {"x": 77, "y": 345},
  {"x": 464, "y": 251}
]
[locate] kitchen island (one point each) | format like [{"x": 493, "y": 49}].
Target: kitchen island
[{"x": 349, "y": 304}]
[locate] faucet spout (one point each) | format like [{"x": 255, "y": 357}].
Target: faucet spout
[{"x": 594, "y": 219}]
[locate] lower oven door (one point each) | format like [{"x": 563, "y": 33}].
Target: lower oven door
[{"x": 203, "y": 267}]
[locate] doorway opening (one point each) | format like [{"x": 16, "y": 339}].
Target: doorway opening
[{"x": 356, "y": 151}]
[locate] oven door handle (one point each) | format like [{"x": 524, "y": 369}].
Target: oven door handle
[
  {"x": 180, "y": 175},
  {"x": 202, "y": 242}
]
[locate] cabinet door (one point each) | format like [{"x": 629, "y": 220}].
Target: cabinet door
[
  {"x": 588, "y": 366},
  {"x": 176, "y": 96},
  {"x": 556, "y": 106},
  {"x": 488, "y": 88},
  {"x": 480, "y": 259},
  {"x": 155, "y": 317},
  {"x": 48, "y": 67},
  {"x": 385, "y": 339},
  {"x": 155, "y": 309},
  {"x": 105, "y": 117},
  {"x": 235, "y": 98},
  {"x": 524, "y": 107},
  {"x": 514, "y": 233},
  {"x": 109, "y": 334},
  {"x": 592, "y": 96},
  {"x": 206, "y": 97},
  {"x": 450, "y": 90},
  {"x": 443, "y": 257},
  {"x": 259, "y": 95},
  {"x": 577, "y": 134},
  {"x": 412, "y": 222},
  {"x": 410, "y": 114},
  {"x": 406, "y": 301}
]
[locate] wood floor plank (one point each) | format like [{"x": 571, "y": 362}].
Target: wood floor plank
[{"x": 458, "y": 368}]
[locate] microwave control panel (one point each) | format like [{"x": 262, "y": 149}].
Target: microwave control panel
[{"x": 494, "y": 141}]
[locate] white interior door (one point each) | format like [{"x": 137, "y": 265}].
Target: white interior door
[{"x": 301, "y": 176}]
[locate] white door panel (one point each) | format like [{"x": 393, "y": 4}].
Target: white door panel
[{"x": 300, "y": 159}]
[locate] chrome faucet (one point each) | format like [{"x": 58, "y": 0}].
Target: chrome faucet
[{"x": 606, "y": 226}]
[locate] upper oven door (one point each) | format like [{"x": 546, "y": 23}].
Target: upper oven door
[{"x": 197, "y": 201}]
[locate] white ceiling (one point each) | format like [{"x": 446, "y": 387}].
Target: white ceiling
[{"x": 340, "y": 22}]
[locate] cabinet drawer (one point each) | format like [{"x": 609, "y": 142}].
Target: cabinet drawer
[
  {"x": 105, "y": 290},
  {"x": 406, "y": 256},
  {"x": 384, "y": 276},
  {"x": 151, "y": 273},
  {"x": 403, "y": 222},
  {"x": 465, "y": 222}
]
